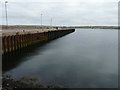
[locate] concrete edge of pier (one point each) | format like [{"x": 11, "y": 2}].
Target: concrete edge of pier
[{"x": 12, "y": 41}]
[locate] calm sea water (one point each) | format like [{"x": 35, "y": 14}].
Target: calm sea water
[{"x": 87, "y": 58}]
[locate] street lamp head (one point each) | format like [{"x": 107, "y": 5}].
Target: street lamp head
[{"x": 6, "y": 1}]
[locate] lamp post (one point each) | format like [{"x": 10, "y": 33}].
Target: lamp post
[
  {"x": 51, "y": 22},
  {"x": 6, "y": 13},
  {"x": 41, "y": 21}
]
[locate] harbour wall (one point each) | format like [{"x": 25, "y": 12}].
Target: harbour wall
[{"x": 16, "y": 41}]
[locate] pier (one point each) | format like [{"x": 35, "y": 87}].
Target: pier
[{"x": 18, "y": 37}]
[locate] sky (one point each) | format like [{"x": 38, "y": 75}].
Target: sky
[{"x": 62, "y": 12}]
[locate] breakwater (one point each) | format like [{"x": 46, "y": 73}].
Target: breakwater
[{"x": 17, "y": 40}]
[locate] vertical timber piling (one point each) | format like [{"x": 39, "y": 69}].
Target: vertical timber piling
[{"x": 17, "y": 41}]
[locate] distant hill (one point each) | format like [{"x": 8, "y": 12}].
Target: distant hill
[{"x": 97, "y": 27}]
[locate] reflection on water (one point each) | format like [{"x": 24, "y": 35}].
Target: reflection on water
[
  {"x": 86, "y": 58},
  {"x": 12, "y": 60}
]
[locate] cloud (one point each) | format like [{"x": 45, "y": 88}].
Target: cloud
[
  {"x": 63, "y": 13},
  {"x": 70, "y": 1}
]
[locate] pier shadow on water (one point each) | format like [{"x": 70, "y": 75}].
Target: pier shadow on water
[{"x": 13, "y": 59}]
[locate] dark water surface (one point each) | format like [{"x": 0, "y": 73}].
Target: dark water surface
[{"x": 87, "y": 58}]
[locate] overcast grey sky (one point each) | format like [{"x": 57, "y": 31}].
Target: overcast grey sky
[{"x": 63, "y": 12}]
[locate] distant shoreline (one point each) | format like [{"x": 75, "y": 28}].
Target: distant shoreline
[
  {"x": 97, "y": 27},
  {"x": 38, "y": 26}
]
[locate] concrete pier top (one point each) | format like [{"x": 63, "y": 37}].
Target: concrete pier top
[{"x": 18, "y": 30}]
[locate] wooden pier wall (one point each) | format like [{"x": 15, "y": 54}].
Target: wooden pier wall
[{"x": 14, "y": 42}]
